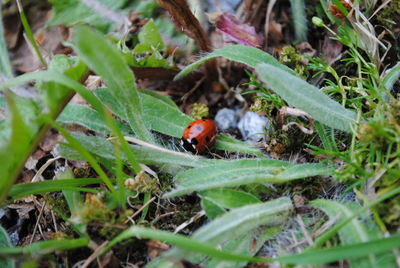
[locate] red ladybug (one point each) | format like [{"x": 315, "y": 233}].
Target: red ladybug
[{"x": 199, "y": 135}]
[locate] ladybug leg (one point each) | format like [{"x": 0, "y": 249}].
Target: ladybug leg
[{"x": 188, "y": 145}]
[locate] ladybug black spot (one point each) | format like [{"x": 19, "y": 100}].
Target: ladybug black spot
[
  {"x": 208, "y": 139},
  {"x": 189, "y": 126},
  {"x": 194, "y": 141},
  {"x": 199, "y": 128}
]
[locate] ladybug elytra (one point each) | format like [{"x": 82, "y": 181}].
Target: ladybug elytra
[{"x": 199, "y": 135}]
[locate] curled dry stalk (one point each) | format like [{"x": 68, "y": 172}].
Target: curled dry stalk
[{"x": 188, "y": 24}]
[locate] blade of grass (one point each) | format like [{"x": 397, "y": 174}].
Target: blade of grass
[
  {"x": 43, "y": 247},
  {"x": 25, "y": 189},
  {"x": 29, "y": 33},
  {"x": 75, "y": 202},
  {"x": 299, "y": 19},
  {"x": 82, "y": 151},
  {"x": 5, "y": 65}
]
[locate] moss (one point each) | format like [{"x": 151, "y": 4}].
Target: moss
[
  {"x": 292, "y": 58},
  {"x": 199, "y": 110},
  {"x": 390, "y": 14}
]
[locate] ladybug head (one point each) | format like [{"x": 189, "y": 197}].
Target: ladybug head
[{"x": 189, "y": 145}]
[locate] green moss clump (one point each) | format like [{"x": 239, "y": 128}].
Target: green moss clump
[
  {"x": 389, "y": 14},
  {"x": 292, "y": 58},
  {"x": 199, "y": 111}
]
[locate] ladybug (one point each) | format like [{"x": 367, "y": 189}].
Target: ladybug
[{"x": 199, "y": 136}]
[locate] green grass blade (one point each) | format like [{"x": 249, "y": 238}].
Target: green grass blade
[
  {"x": 43, "y": 247},
  {"x": 242, "y": 172},
  {"x": 29, "y": 33},
  {"x": 5, "y": 64},
  {"x": 300, "y": 94},
  {"x": 25, "y": 189},
  {"x": 250, "y": 56},
  {"x": 299, "y": 19},
  {"x": 105, "y": 60},
  {"x": 5, "y": 242}
]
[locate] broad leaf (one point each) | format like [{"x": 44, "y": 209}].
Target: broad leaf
[{"x": 5, "y": 65}]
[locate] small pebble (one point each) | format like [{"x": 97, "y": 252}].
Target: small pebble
[
  {"x": 252, "y": 126},
  {"x": 226, "y": 119}
]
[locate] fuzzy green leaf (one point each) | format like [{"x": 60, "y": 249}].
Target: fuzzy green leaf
[
  {"x": 300, "y": 94},
  {"x": 228, "y": 198},
  {"x": 250, "y": 56},
  {"x": 241, "y": 172},
  {"x": 43, "y": 247}
]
